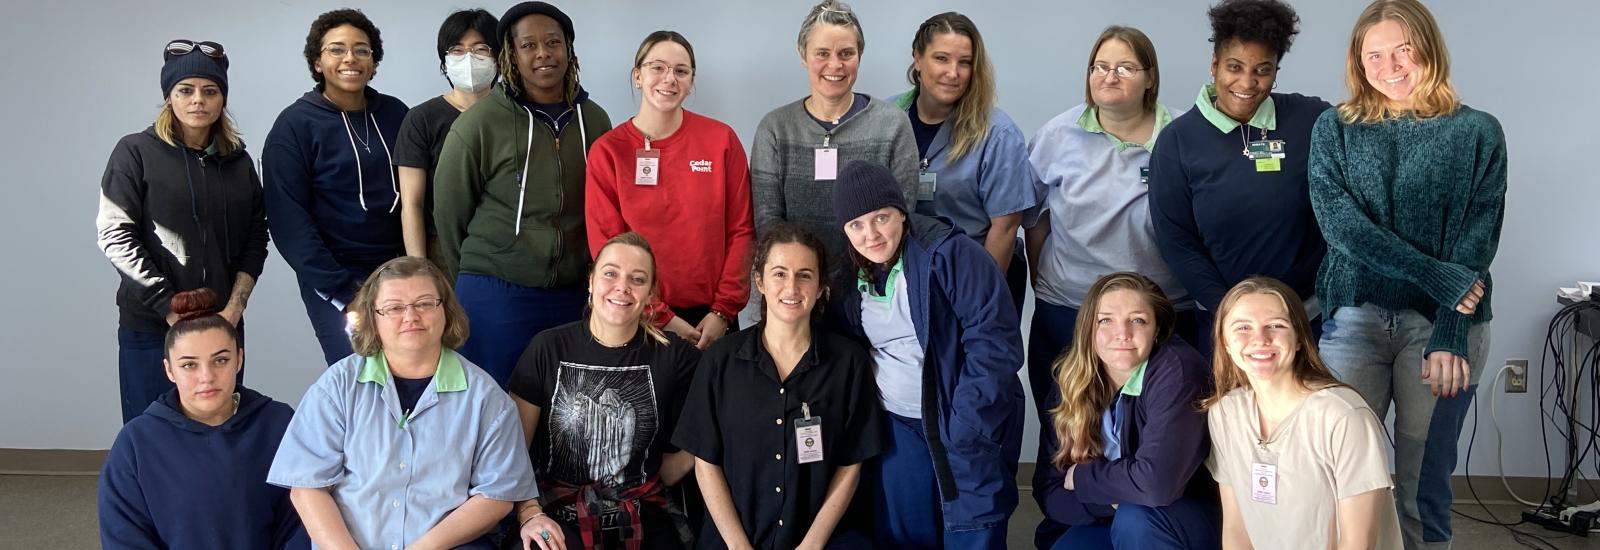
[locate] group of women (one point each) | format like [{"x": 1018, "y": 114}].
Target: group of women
[{"x": 1254, "y": 315}]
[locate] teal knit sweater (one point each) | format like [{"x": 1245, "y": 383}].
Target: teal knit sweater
[{"x": 1412, "y": 211}]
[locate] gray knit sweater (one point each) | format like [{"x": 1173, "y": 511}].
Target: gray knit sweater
[{"x": 783, "y": 163}]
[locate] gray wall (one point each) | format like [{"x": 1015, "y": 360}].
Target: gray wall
[{"x": 73, "y": 93}]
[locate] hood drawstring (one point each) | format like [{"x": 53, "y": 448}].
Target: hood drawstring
[
  {"x": 522, "y": 182},
  {"x": 361, "y": 183}
]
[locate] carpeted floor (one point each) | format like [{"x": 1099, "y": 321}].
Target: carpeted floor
[{"x": 58, "y": 512}]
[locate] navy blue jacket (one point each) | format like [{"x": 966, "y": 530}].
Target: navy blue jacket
[
  {"x": 972, "y": 349},
  {"x": 1164, "y": 443},
  {"x": 332, "y": 201},
  {"x": 172, "y": 482}
]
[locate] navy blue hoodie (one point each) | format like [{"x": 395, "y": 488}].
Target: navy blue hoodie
[
  {"x": 172, "y": 482},
  {"x": 331, "y": 191}
]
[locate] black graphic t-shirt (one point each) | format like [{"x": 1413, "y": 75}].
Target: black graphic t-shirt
[{"x": 606, "y": 415}]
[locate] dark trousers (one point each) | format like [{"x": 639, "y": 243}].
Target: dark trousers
[
  {"x": 1188, "y": 524},
  {"x": 504, "y": 317},
  {"x": 141, "y": 376},
  {"x": 906, "y": 501},
  {"x": 1050, "y": 336},
  {"x": 328, "y": 323}
]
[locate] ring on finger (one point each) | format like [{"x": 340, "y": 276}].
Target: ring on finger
[{"x": 544, "y": 535}]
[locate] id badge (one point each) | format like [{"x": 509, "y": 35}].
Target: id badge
[
  {"x": 1268, "y": 164},
  {"x": 1144, "y": 175},
  {"x": 1269, "y": 148},
  {"x": 927, "y": 185},
  {"x": 1264, "y": 483},
  {"x": 646, "y": 166},
  {"x": 827, "y": 166},
  {"x": 808, "y": 439}
]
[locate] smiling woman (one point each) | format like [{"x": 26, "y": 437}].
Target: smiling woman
[
  {"x": 332, "y": 233},
  {"x": 681, "y": 180},
  {"x": 1228, "y": 192},
  {"x": 350, "y": 480},
  {"x": 509, "y": 190}
]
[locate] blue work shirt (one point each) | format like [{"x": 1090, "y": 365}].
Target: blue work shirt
[
  {"x": 395, "y": 476},
  {"x": 993, "y": 179}
]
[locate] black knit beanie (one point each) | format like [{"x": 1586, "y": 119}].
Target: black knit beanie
[
  {"x": 193, "y": 64},
  {"x": 519, "y": 11},
  {"x": 863, "y": 187}
]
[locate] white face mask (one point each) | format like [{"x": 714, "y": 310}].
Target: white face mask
[{"x": 469, "y": 73}]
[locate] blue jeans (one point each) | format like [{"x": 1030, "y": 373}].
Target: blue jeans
[
  {"x": 1050, "y": 336},
  {"x": 504, "y": 316},
  {"x": 140, "y": 374},
  {"x": 1379, "y": 352},
  {"x": 1187, "y": 524},
  {"x": 906, "y": 499},
  {"x": 328, "y": 323}
]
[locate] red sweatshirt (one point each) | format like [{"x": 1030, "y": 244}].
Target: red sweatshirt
[{"x": 697, "y": 217}]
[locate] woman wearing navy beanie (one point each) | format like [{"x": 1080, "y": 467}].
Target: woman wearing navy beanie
[
  {"x": 180, "y": 209},
  {"x": 938, "y": 320},
  {"x": 331, "y": 190},
  {"x": 508, "y": 193}
]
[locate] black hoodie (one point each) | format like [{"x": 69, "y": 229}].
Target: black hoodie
[{"x": 173, "y": 219}]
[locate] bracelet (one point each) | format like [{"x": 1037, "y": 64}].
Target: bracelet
[
  {"x": 720, "y": 315},
  {"x": 531, "y": 518}
]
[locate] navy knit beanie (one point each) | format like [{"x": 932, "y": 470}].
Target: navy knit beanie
[
  {"x": 193, "y": 64},
  {"x": 863, "y": 187},
  {"x": 525, "y": 9}
]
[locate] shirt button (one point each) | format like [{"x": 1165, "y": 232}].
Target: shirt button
[
  {"x": 778, "y": 489},
  {"x": 402, "y": 465},
  {"x": 397, "y": 504},
  {"x": 778, "y": 456},
  {"x": 780, "y": 523},
  {"x": 780, "y": 421},
  {"x": 780, "y": 391},
  {"x": 394, "y": 547}
]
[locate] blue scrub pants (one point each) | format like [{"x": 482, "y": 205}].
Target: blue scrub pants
[
  {"x": 906, "y": 497},
  {"x": 1188, "y": 524},
  {"x": 328, "y": 323},
  {"x": 504, "y": 317}
]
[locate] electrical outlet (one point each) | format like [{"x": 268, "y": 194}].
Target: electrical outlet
[{"x": 1517, "y": 379}]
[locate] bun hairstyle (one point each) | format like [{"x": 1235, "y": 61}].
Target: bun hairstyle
[{"x": 197, "y": 312}]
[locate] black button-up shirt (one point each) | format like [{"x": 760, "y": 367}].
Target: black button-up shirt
[{"x": 740, "y": 416}]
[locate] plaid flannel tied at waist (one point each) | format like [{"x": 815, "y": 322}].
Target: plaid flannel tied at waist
[{"x": 585, "y": 505}]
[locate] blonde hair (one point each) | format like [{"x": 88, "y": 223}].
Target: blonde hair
[
  {"x": 364, "y": 339},
  {"x": 1081, "y": 377},
  {"x": 1308, "y": 369},
  {"x": 1143, "y": 50},
  {"x": 1433, "y": 96},
  {"x": 223, "y": 133},
  {"x": 969, "y": 122},
  {"x": 647, "y": 320}
]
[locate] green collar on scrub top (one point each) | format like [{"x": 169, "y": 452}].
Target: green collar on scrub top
[
  {"x": 1266, "y": 117},
  {"x": 1090, "y": 122},
  {"x": 1135, "y": 385},
  {"x": 449, "y": 377},
  {"x": 888, "y": 286}
]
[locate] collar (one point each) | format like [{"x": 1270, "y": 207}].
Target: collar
[
  {"x": 1135, "y": 385},
  {"x": 1266, "y": 117},
  {"x": 449, "y": 377},
  {"x": 1090, "y": 122},
  {"x": 888, "y": 286}
]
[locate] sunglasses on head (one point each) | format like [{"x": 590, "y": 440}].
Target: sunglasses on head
[{"x": 183, "y": 47}]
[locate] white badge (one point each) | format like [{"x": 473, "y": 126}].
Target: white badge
[
  {"x": 1264, "y": 483},
  {"x": 927, "y": 185},
  {"x": 808, "y": 436},
  {"x": 827, "y": 163},
  {"x": 646, "y": 166}
]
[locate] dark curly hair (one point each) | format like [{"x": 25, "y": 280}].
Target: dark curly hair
[
  {"x": 1270, "y": 23},
  {"x": 331, "y": 20}
]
